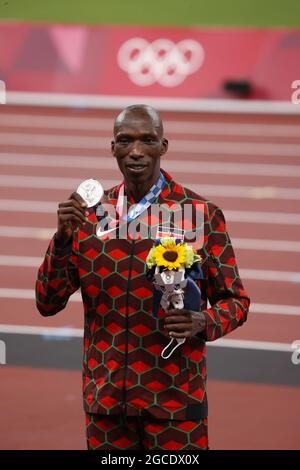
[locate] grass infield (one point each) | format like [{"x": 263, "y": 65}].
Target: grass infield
[{"x": 266, "y": 13}]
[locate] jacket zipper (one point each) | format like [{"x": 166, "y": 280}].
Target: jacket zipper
[{"x": 124, "y": 402}]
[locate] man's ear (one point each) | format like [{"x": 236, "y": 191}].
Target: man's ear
[
  {"x": 164, "y": 146},
  {"x": 112, "y": 147}
]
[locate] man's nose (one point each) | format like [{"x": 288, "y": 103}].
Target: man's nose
[{"x": 137, "y": 150}]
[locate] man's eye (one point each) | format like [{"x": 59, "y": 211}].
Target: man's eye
[
  {"x": 122, "y": 141},
  {"x": 149, "y": 140}
]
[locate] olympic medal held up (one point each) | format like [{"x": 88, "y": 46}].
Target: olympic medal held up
[{"x": 91, "y": 191}]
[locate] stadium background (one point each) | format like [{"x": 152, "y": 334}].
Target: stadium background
[{"x": 253, "y": 385}]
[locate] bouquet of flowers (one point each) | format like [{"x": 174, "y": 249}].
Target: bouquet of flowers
[{"x": 173, "y": 266}]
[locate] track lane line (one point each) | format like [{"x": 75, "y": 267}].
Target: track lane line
[
  {"x": 261, "y": 308},
  {"x": 247, "y": 192},
  {"x": 50, "y": 207},
  {"x": 218, "y": 128},
  {"x": 176, "y": 166},
  {"x": 175, "y": 105},
  {"x": 40, "y": 233},
  {"x": 78, "y": 333},
  {"x": 256, "y": 274},
  {"x": 177, "y": 145}
]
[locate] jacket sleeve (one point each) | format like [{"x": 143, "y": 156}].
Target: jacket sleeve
[
  {"x": 223, "y": 286},
  {"x": 57, "y": 278}
]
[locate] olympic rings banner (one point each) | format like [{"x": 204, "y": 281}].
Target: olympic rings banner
[{"x": 154, "y": 62}]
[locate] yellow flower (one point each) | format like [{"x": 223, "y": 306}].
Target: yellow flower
[{"x": 169, "y": 254}]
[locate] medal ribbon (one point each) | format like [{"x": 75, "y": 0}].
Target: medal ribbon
[{"x": 137, "y": 209}]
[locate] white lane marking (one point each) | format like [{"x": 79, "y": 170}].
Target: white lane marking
[
  {"x": 80, "y": 101},
  {"x": 275, "y": 309},
  {"x": 40, "y": 121},
  {"x": 28, "y": 294},
  {"x": 262, "y": 217},
  {"x": 176, "y": 166},
  {"x": 264, "y": 245},
  {"x": 247, "y": 344},
  {"x": 176, "y": 145},
  {"x": 10, "y": 293},
  {"x": 40, "y": 233},
  {"x": 15, "y": 205},
  {"x": 78, "y": 333},
  {"x": 256, "y": 274},
  {"x": 219, "y": 128},
  {"x": 42, "y": 330},
  {"x": 270, "y": 275},
  {"x": 20, "y": 261},
  {"x": 50, "y": 207},
  {"x": 47, "y": 182},
  {"x": 230, "y": 191},
  {"x": 249, "y": 192},
  {"x": 179, "y": 127}
]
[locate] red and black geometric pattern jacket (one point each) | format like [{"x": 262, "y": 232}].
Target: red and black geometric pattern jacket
[{"x": 123, "y": 371}]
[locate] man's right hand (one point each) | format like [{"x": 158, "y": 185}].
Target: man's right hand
[{"x": 70, "y": 215}]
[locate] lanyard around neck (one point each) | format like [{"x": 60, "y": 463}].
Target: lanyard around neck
[{"x": 137, "y": 209}]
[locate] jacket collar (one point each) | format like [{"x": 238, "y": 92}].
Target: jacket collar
[{"x": 170, "y": 187}]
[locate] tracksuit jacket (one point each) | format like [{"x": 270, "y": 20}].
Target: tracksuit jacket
[{"x": 123, "y": 371}]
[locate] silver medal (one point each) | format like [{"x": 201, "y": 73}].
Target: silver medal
[{"x": 91, "y": 191}]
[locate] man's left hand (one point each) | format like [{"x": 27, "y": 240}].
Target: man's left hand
[{"x": 182, "y": 323}]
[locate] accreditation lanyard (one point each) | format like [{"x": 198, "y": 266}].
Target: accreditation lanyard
[{"x": 137, "y": 209}]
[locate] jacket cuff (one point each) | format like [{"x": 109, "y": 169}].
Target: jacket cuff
[{"x": 213, "y": 329}]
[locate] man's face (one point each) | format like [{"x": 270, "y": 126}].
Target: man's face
[{"x": 138, "y": 146}]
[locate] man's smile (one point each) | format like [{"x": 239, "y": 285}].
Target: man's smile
[{"x": 136, "y": 167}]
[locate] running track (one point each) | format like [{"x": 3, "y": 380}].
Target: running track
[{"x": 250, "y": 166}]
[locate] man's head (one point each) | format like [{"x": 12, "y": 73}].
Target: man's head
[{"x": 139, "y": 143}]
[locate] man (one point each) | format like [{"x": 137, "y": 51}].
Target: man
[{"x": 134, "y": 398}]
